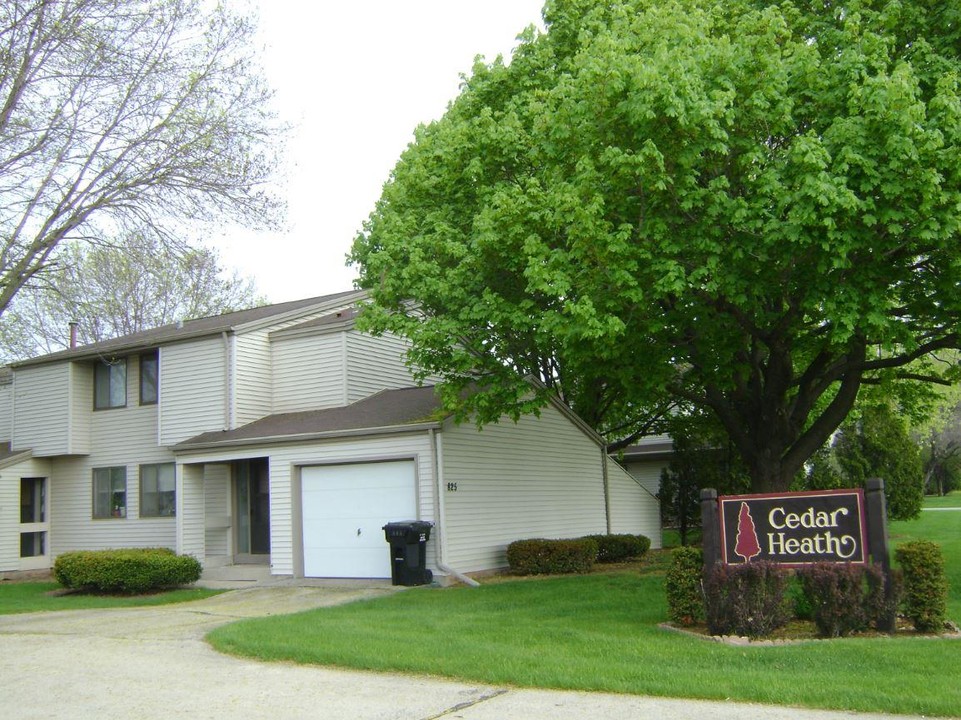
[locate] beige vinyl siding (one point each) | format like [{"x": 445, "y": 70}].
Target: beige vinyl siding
[
  {"x": 647, "y": 473},
  {"x": 285, "y": 461},
  {"x": 251, "y": 364},
  {"x": 41, "y": 400},
  {"x": 255, "y": 369},
  {"x": 192, "y": 389},
  {"x": 375, "y": 364},
  {"x": 191, "y": 531},
  {"x": 125, "y": 437},
  {"x": 309, "y": 372},
  {"x": 81, "y": 404},
  {"x": 217, "y": 512},
  {"x": 634, "y": 509},
  {"x": 540, "y": 478},
  {"x": 10, "y": 507},
  {"x": 10, "y": 518},
  {"x": 6, "y": 412}
]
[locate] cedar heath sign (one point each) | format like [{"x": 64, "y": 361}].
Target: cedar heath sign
[{"x": 794, "y": 528}]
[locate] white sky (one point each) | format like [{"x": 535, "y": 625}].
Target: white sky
[{"x": 355, "y": 77}]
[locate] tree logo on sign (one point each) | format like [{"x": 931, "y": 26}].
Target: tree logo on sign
[{"x": 746, "y": 544}]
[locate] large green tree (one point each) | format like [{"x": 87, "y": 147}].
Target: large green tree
[
  {"x": 746, "y": 206},
  {"x": 120, "y": 116}
]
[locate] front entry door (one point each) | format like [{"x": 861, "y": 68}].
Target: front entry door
[
  {"x": 34, "y": 524},
  {"x": 252, "y": 510}
]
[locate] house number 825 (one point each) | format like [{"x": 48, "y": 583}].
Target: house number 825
[{"x": 451, "y": 487}]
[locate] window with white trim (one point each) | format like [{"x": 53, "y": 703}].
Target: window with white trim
[
  {"x": 158, "y": 490},
  {"x": 110, "y": 492},
  {"x": 110, "y": 384},
  {"x": 149, "y": 366}
]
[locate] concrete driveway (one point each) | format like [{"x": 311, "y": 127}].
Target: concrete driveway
[{"x": 152, "y": 663}]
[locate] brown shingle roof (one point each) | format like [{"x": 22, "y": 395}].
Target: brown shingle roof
[
  {"x": 386, "y": 409},
  {"x": 187, "y": 329}
]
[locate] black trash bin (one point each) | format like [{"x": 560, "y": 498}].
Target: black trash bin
[{"x": 408, "y": 551}]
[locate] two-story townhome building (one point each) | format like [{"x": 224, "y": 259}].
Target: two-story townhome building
[{"x": 284, "y": 436}]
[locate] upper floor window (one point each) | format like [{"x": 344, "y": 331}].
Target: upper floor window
[
  {"x": 149, "y": 366},
  {"x": 110, "y": 384}
]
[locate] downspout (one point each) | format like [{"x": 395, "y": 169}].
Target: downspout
[
  {"x": 439, "y": 514},
  {"x": 226, "y": 339},
  {"x": 607, "y": 488}
]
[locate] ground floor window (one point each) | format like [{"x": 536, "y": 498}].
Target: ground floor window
[
  {"x": 158, "y": 496},
  {"x": 33, "y": 544},
  {"x": 110, "y": 492},
  {"x": 32, "y": 500}
]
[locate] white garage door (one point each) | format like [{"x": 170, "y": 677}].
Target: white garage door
[{"x": 345, "y": 508}]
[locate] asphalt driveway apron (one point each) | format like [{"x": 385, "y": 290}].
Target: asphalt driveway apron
[{"x": 152, "y": 663}]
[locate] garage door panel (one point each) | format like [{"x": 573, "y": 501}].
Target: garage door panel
[
  {"x": 345, "y": 562},
  {"x": 337, "y": 500},
  {"x": 376, "y": 503}
]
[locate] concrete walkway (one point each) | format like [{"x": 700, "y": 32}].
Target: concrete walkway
[{"x": 152, "y": 663}]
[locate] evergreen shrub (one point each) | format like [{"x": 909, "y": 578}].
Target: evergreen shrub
[
  {"x": 685, "y": 599},
  {"x": 925, "y": 586},
  {"x": 126, "y": 570},
  {"x": 617, "y": 548},
  {"x": 546, "y": 557}
]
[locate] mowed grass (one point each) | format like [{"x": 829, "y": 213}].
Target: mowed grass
[
  {"x": 952, "y": 499},
  {"x": 23, "y": 597},
  {"x": 601, "y": 632}
]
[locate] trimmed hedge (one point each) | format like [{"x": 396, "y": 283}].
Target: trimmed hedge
[
  {"x": 126, "y": 570},
  {"x": 746, "y": 600},
  {"x": 685, "y": 600},
  {"x": 925, "y": 587},
  {"x": 542, "y": 557},
  {"x": 617, "y": 548},
  {"x": 844, "y": 598}
]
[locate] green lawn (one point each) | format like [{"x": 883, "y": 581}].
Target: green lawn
[
  {"x": 600, "y": 632},
  {"x": 21, "y": 597},
  {"x": 952, "y": 499}
]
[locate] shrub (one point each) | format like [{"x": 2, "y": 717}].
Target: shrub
[
  {"x": 685, "y": 600},
  {"x": 746, "y": 599},
  {"x": 798, "y": 602},
  {"x": 127, "y": 570},
  {"x": 543, "y": 557},
  {"x": 616, "y": 548},
  {"x": 882, "y": 607},
  {"x": 925, "y": 587},
  {"x": 837, "y": 593}
]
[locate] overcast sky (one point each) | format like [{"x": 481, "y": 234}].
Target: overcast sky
[{"x": 355, "y": 78}]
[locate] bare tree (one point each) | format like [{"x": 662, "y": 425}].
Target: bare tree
[
  {"x": 117, "y": 115},
  {"x": 119, "y": 289},
  {"x": 113, "y": 290}
]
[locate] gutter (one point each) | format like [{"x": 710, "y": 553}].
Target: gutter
[
  {"x": 300, "y": 437},
  {"x": 440, "y": 516}
]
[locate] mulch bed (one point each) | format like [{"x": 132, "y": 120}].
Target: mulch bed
[{"x": 804, "y": 631}]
